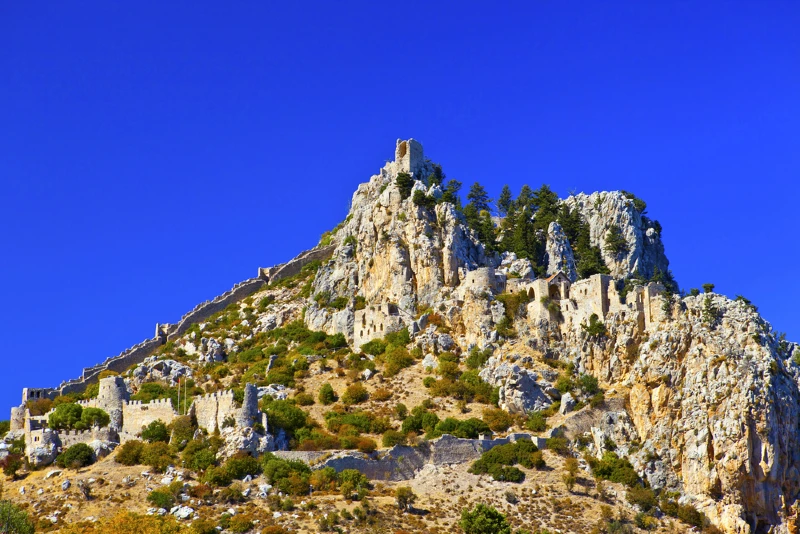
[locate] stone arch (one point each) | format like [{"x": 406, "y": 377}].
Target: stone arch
[{"x": 531, "y": 294}]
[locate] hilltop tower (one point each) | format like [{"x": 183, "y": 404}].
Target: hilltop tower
[
  {"x": 409, "y": 157},
  {"x": 112, "y": 395}
]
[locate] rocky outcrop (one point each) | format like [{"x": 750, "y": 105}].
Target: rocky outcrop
[
  {"x": 390, "y": 250},
  {"x": 601, "y": 211},
  {"x": 518, "y": 387},
  {"x": 559, "y": 253},
  {"x": 712, "y": 392}
]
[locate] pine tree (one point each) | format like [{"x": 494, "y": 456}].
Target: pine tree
[
  {"x": 504, "y": 201},
  {"x": 404, "y": 183},
  {"x": 451, "y": 193},
  {"x": 524, "y": 198},
  {"x": 478, "y": 197}
]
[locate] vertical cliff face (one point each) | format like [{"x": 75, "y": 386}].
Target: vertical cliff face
[{"x": 602, "y": 211}]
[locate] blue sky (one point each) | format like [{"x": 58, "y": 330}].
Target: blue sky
[{"x": 153, "y": 155}]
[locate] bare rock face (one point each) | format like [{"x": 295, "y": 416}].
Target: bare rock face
[
  {"x": 602, "y": 210},
  {"x": 713, "y": 398},
  {"x": 239, "y": 439},
  {"x": 559, "y": 253},
  {"x": 45, "y": 452},
  {"x": 519, "y": 390}
]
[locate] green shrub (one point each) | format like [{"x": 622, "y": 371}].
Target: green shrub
[
  {"x": 499, "y": 461},
  {"x": 643, "y": 497},
  {"x": 5, "y": 426},
  {"x": 397, "y": 358},
  {"x": 612, "y": 467},
  {"x": 498, "y": 420},
  {"x": 354, "y": 394},
  {"x": 242, "y": 464},
  {"x": 326, "y": 394},
  {"x": 157, "y": 455},
  {"x": 536, "y": 422},
  {"x": 393, "y": 437},
  {"x": 589, "y": 384},
  {"x": 470, "y": 428},
  {"x": 558, "y": 444},
  {"x": 155, "y": 431},
  {"x": 130, "y": 452},
  {"x": 483, "y": 519},
  {"x": 217, "y": 476},
  {"x": 304, "y": 399},
  {"x": 161, "y": 499},
  {"x": 375, "y": 347},
  {"x": 77, "y": 456},
  {"x": 14, "y": 519},
  {"x": 477, "y": 357},
  {"x": 283, "y": 414}
]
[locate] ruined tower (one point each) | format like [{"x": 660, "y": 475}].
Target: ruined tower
[
  {"x": 409, "y": 158},
  {"x": 249, "y": 412},
  {"x": 113, "y": 394}
]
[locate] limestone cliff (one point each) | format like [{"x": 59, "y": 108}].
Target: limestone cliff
[{"x": 602, "y": 210}]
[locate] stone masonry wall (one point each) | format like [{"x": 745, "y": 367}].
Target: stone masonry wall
[
  {"x": 136, "y": 414},
  {"x": 211, "y": 410}
]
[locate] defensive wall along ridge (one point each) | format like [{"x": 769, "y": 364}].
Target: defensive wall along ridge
[{"x": 169, "y": 332}]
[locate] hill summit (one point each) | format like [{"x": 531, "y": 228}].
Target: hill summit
[{"x": 504, "y": 337}]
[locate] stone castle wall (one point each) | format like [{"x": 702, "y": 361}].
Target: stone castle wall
[
  {"x": 211, "y": 410},
  {"x": 136, "y": 414}
]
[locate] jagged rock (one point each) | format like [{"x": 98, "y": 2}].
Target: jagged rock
[
  {"x": 567, "y": 403},
  {"x": 276, "y": 391},
  {"x": 559, "y": 253},
  {"x": 65, "y": 485},
  {"x": 152, "y": 369},
  {"x": 52, "y": 473},
  {"x": 102, "y": 448},
  {"x": 238, "y": 439},
  {"x": 429, "y": 362},
  {"x": 183, "y": 512},
  {"x": 45, "y": 452},
  {"x": 601, "y": 211},
  {"x": 510, "y": 265},
  {"x": 519, "y": 391}
]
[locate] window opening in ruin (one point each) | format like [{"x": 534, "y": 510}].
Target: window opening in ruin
[{"x": 401, "y": 150}]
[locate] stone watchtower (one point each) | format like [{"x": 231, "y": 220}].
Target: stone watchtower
[
  {"x": 249, "y": 412},
  {"x": 112, "y": 395},
  {"x": 409, "y": 158}
]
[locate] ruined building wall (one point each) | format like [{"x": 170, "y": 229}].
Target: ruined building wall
[
  {"x": 211, "y": 410},
  {"x": 136, "y": 414},
  {"x": 375, "y": 322}
]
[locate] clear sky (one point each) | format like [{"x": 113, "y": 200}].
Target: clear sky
[{"x": 153, "y": 154}]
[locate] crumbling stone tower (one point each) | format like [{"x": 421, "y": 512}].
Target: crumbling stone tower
[
  {"x": 249, "y": 412},
  {"x": 113, "y": 394},
  {"x": 409, "y": 157}
]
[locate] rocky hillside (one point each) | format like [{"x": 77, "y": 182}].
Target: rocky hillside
[{"x": 555, "y": 327}]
